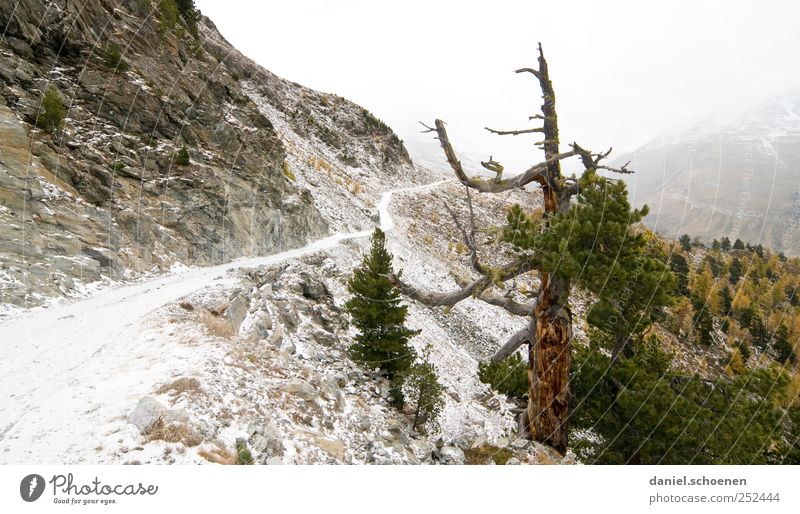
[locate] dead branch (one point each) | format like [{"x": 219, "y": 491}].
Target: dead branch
[
  {"x": 529, "y": 70},
  {"x": 534, "y": 173},
  {"x": 515, "y": 132},
  {"x": 471, "y": 214},
  {"x": 427, "y": 128},
  {"x": 494, "y": 166},
  {"x": 476, "y": 288},
  {"x": 519, "y": 338},
  {"x": 469, "y": 238},
  {"x": 508, "y": 304},
  {"x": 592, "y": 161},
  {"x": 623, "y": 169}
]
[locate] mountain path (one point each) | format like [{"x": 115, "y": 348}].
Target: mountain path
[{"x": 69, "y": 370}]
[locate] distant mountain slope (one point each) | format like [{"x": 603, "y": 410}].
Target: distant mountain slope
[
  {"x": 106, "y": 196},
  {"x": 740, "y": 179}
]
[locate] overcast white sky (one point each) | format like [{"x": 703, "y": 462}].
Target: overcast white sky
[{"x": 624, "y": 72}]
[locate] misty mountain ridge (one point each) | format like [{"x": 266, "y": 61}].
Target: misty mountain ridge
[{"x": 726, "y": 178}]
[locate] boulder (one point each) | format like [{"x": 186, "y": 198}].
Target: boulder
[
  {"x": 520, "y": 444},
  {"x": 301, "y": 388},
  {"x": 256, "y": 326},
  {"x": 324, "y": 337},
  {"x": 237, "y": 310},
  {"x": 276, "y": 337},
  {"x": 146, "y": 413},
  {"x": 333, "y": 393},
  {"x": 268, "y": 441},
  {"x": 332, "y": 447},
  {"x": 451, "y": 455},
  {"x": 314, "y": 289},
  {"x": 385, "y": 389},
  {"x": 421, "y": 449}
]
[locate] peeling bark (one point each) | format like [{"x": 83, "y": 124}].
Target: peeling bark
[{"x": 549, "y": 360}]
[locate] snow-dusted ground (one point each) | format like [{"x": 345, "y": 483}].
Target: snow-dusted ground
[{"x": 71, "y": 373}]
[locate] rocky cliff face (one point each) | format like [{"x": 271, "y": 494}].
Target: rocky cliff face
[{"x": 106, "y": 196}]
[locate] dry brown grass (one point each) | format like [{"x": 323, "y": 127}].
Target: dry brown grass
[
  {"x": 217, "y": 326},
  {"x": 173, "y": 433},
  {"x": 319, "y": 164},
  {"x": 183, "y": 385},
  {"x": 218, "y": 455},
  {"x": 486, "y": 454}
]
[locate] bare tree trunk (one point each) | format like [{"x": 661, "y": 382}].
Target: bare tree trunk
[
  {"x": 549, "y": 352},
  {"x": 548, "y": 366}
]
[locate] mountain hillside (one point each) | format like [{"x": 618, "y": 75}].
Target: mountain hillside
[
  {"x": 211, "y": 282},
  {"x": 738, "y": 179},
  {"x": 110, "y": 193},
  {"x": 190, "y": 272}
]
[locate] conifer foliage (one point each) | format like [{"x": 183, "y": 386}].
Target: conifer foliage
[
  {"x": 508, "y": 376},
  {"x": 423, "y": 389},
  {"x": 661, "y": 415},
  {"x": 379, "y": 316},
  {"x": 52, "y": 112}
]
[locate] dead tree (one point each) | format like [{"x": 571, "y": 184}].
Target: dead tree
[{"x": 549, "y": 329}]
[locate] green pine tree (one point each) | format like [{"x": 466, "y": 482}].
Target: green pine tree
[
  {"x": 685, "y": 242},
  {"x": 182, "y": 157},
  {"x": 422, "y": 387},
  {"x": 758, "y": 330},
  {"x": 112, "y": 56},
  {"x": 738, "y": 244},
  {"x": 745, "y": 315},
  {"x": 379, "y": 316},
  {"x": 735, "y": 273},
  {"x": 714, "y": 264},
  {"x": 725, "y": 244},
  {"x": 703, "y": 322},
  {"x": 243, "y": 454},
  {"x": 783, "y": 347},
  {"x": 727, "y": 300},
  {"x": 680, "y": 268}
]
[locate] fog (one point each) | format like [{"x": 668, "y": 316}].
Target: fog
[{"x": 624, "y": 72}]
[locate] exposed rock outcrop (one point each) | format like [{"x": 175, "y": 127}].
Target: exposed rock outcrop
[{"x": 105, "y": 195}]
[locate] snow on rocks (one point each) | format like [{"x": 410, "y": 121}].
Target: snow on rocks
[
  {"x": 257, "y": 350},
  {"x": 146, "y": 413},
  {"x": 310, "y": 405}
]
